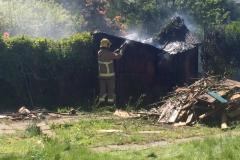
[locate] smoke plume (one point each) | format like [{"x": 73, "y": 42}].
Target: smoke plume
[{"x": 36, "y": 18}]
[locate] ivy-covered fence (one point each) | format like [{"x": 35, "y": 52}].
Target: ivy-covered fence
[{"x": 46, "y": 73}]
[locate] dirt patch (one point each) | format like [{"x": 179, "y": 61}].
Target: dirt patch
[
  {"x": 137, "y": 147},
  {"x": 11, "y": 127},
  {"x": 125, "y": 147},
  {"x": 8, "y": 126}
]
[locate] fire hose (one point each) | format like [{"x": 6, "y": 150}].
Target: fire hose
[{"x": 121, "y": 47}]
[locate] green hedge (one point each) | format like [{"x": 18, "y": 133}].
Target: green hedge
[
  {"x": 46, "y": 73},
  {"x": 221, "y": 49}
]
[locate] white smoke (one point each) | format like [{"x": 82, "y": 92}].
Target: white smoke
[
  {"x": 36, "y": 18},
  {"x": 191, "y": 24},
  {"x": 188, "y": 21},
  {"x": 135, "y": 36}
]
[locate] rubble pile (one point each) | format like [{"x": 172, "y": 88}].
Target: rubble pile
[
  {"x": 208, "y": 98},
  {"x": 175, "y": 37},
  {"x": 24, "y": 113},
  {"x": 174, "y": 30}
]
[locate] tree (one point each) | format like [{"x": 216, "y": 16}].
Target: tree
[
  {"x": 146, "y": 16},
  {"x": 94, "y": 13},
  {"x": 220, "y": 34},
  {"x": 36, "y": 18},
  {"x": 206, "y": 12}
]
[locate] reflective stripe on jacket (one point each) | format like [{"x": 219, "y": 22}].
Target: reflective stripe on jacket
[
  {"x": 106, "y": 69},
  {"x": 105, "y": 62}
]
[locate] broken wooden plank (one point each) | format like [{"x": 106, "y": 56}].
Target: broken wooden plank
[
  {"x": 206, "y": 98},
  {"x": 235, "y": 97},
  {"x": 217, "y": 97},
  {"x": 164, "y": 111},
  {"x": 209, "y": 99},
  {"x": 231, "y": 83},
  {"x": 190, "y": 118},
  {"x": 167, "y": 112},
  {"x": 3, "y": 116},
  {"x": 182, "y": 90},
  {"x": 179, "y": 124},
  {"x": 174, "y": 116},
  {"x": 205, "y": 115}
]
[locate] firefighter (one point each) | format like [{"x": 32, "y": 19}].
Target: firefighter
[{"x": 106, "y": 71}]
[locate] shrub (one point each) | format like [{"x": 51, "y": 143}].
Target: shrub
[
  {"x": 33, "y": 130},
  {"x": 221, "y": 49},
  {"x": 232, "y": 32},
  {"x": 43, "y": 72}
]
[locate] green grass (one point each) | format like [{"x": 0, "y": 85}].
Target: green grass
[
  {"x": 74, "y": 140},
  {"x": 209, "y": 149},
  {"x": 85, "y": 132},
  {"x": 52, "y": 149},
  {"x": 64, "y": 109}
]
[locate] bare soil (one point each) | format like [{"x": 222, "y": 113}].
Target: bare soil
[
  {"x": 8, "y": 126},
  {"x": 11, "y": 127}
]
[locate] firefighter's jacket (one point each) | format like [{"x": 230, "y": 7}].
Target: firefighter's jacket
[{"x": 105, "y": 62}]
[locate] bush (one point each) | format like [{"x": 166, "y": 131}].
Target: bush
[
  {"x": 33, "y": 130},
  {"x": 232, "y": 33},
  {"x": 43, "y": 72},
  {"x": 221, "y": 49}
]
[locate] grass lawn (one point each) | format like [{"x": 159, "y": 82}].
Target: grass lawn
[
  {"x": 86, "y": 132},
  {"x": 226, "y": 148},
  {"x": 75, "y": 140}
]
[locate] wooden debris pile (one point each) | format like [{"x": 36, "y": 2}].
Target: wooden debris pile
[
  {"x": 207, "y": 99},
  {"x": 25, "y": 114}
]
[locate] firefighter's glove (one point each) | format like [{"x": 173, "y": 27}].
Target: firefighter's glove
[{"x": 117, "y": 51}]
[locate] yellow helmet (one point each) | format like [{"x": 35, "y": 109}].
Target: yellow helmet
[{"x": 105, "y": 43}]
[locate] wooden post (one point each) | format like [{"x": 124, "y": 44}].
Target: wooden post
[{"x": 224, "y": 121}]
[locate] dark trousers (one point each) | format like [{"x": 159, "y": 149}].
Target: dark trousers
[{"x": 107, "y": 89}]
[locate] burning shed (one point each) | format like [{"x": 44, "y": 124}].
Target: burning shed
[
  {"x": 136, "y": 71},
  {"x": 152, "y": 69},
  {"x": 179, "y": 63}
]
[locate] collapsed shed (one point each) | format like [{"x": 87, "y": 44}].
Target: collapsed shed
[
  {"x": 152, "y": 69},
  {"x": 179, "y": 63}
]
